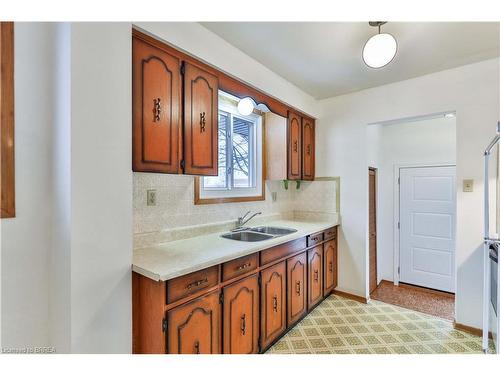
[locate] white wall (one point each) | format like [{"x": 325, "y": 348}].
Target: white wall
[
  {"x": 424, "y": 142},
  {"x": 473, "y": 92},
  {"x": 26, "y": 239}
]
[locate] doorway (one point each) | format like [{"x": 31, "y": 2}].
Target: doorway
[{"x": 372, "y": 228}]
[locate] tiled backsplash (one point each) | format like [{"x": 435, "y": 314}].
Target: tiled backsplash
[{"x": 175, "y": 206}]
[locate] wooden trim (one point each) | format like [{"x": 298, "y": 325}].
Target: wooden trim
[
  {"x": 227, "y": 83},
  {"x": 7, "y": 162},
  {"x": 354, "y": 297},
  {"x": 419, "y": 288},
  {"x": 472, "y": 330}
]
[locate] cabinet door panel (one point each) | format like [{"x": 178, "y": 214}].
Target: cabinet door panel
[
  {"x": 200, "y": 121},
  {"x": 194, "y": 328},
  {"x": 315, "y": 279},
  {"x": 307, "y": 149},
  {"x": 330, "y": 266},
  {"x": 241, "y": 317},
  {"x": 273, "y": 308},
  {"x": 296, "y": 287},
  {"x": 156, "y": 109},
  {"x": 294, "y": 146}
]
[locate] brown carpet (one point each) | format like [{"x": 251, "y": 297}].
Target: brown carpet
[{"x": 418, "y": 299}]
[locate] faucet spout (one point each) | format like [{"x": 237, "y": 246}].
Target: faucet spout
[{"x": 242, "y": 220}]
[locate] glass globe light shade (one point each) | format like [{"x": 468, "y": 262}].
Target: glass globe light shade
[
  {"x": 246, "y": 106},
  {"x": 379, "y": 50}
]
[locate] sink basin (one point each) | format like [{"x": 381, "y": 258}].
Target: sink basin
[
  {"x": 247, "y": 236},
  {"x": 275, "y": 231}
]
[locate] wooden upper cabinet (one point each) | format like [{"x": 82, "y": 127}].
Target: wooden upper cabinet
[
  {"x": 194, "y": 328},
  {"x": 201, "y": 91},
  {"x": 294, "y": 146},
  {"x": 241, "y": 317},
  {"x": 330, "y": 266},
  {"x": 296, "y": 268},
  {"x": 308, "y": 149},
  {"x": 156, "y": 87},
  {"x": 273, "y": 303},
  {"x": 315, "y": 272}
]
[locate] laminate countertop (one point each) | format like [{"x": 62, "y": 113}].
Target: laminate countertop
[{"x": 177, "y": 258}]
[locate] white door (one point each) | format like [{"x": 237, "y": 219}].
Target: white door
[{"x": 427, "y": 209}]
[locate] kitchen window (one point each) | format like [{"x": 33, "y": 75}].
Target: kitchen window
[{"x": 240, "y": 157}]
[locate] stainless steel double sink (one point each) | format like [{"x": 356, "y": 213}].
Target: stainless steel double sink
[{"x": 255, "y": 234}]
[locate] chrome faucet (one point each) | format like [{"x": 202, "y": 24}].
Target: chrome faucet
[{"x": 242, "y": 220}]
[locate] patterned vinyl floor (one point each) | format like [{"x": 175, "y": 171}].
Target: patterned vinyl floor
[{"x": 343, "y": 326}]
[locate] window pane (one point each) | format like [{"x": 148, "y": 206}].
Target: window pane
[
  {"x": 242, "y": 153},
  {"x": 220, "y": 181}
]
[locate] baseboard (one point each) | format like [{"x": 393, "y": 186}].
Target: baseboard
[
  {"x": 350, "y": 296},
  {"x": 472, "y": 330}
]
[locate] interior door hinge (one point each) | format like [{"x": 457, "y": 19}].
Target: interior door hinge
[
  {"x": 399, "y": 225},
  {"x": 399, "y": 271},
  {"x": 183, "y": 68},
  {"x": 399, "y": 180},
  {"x": 164, "y": 325}
]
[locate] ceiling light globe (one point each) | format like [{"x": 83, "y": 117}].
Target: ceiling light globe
[
  {"x": 246, "y": 106},
  {"x": 379, "y": 50}
]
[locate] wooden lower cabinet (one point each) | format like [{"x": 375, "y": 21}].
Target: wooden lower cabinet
[
  {"x": 273, "y": 303},
  {"x": 241, "y": 317},
  {"x": 315, "y": 275},
  {"x": 194, "y": 328},
  {"x": 330, "y": 266},
  {"x": 296, "y": 269}
]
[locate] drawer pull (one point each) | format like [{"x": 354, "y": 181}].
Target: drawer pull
[
  {"x": 295, "y": 146},
  {"x": 244, "y": 266},
  {"x": 197, "y": 283},
  {"x": 196, "y": 347},
  {"x": 243, "y": 324},
  {"x": 202, "y": 122},
  {"x": 275, "y": 303},
  {"x": 156, "y": 109},
  {"x": 330, "y": 266},
  {"x": 297, "y": 287},
  {"x": 316, "y": 275}
]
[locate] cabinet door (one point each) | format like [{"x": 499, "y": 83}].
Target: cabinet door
[
  {"x": 308, "y": 149},
  {"x": 200, "y": 121},
  {"x": 273, "y": 308},
  {"x": 241, "y": 317},
  {"x": 156, "y": 93},
  {"x": 294, "y": 146},
  {"x": 296, "y": 268},
  {"x": 194, "y": 328},
  {"x": 330, "y": 266},
  {"x": 315, "y": 272}
]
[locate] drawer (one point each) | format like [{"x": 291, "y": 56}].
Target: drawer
[
  {"x": 314, "y": 239},
  {"x": 192, "y": 283},
  {"x": 240, "y": 266},
  {"x": 281, "y": 251},
  {"x": 331, "y": 233}
]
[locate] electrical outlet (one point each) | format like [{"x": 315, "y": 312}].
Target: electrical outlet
[
  {"x": 151, "y": 197},
  {"x": 468, "y": 186},
  {"x": 274, "y": 196}
]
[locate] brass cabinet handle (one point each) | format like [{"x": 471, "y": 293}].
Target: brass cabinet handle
[
  {"x": 197, "y": 283},
  {"x": 297, "y": 287},
  {"x": 295, "y": 145},
  {"x": 243, "y": 266},
  {"x": 308, "y": 149},
  {"x": 243, "y": 324},
  {"x": 196, "y": 347},
  {"x": 202, "y": 122},
  {"x": 156, "y": 109},
  {"x": 330, "y": 266},
  {"x": 316, "y": 275},
  {"x": 275, "y": 303}
]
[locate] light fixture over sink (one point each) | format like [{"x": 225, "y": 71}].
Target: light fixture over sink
[
  {"x": 246, "y": 106},
  {"x": 380, "y": 49}
]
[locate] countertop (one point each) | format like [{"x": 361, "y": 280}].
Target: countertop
[{"x": 172, "y": 259}]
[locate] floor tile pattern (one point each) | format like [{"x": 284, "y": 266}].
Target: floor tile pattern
[{"x": 343, "y": 326}]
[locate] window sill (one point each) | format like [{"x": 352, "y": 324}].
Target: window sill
[{"x": 199, "y": 201}]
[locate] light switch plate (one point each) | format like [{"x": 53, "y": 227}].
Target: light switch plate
[
  {"x": 468, "y": 186},
  {"x": 151, "y": 197}
]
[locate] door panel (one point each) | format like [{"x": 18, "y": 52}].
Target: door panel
[
  {"x": 296, "y": 287},
  {"x": 200, "y": 121},
  {"x": 315, "y": 278},
  {"x": 427, "y": 227},
  {"x": 308, "y": 149},
  {"x": 194, "y": 328},
  {"x": 372, "y": 230},
  {"x": 241, "y": 317},
  {"x": 273, "y": 308},
  {"x": 330, "y": 266},
  {"x": 156, "y": 109},
  {"x": 294, "y": 146}
]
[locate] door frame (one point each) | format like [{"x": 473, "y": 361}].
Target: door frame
[
  {"x": 396, "y": 215},
  {"x": 375, "y": 170}
]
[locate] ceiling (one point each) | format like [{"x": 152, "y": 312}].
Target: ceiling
[{"x": 324, "y": 58}]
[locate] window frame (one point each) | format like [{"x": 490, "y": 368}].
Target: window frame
[
  {"x": 7, "y": 175},
  {"x": 238, "y": 194}
]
